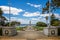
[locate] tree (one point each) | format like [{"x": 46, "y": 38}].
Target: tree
[
  {"x": 53, "y": 17},
  {"x": 2, "y": 18},
  {"x": 55, "y": 22},
  {"x": 42, "y": 24},
  {"x": 46, "y": 20},
  {"x": 14, "y": 23},
  {"x": 54, "y": 4},
  {"x": 46, "y": 9},
  {"x": 1, "y": 12}
]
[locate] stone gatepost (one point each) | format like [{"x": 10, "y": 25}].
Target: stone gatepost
[
  {"x": 51, "y": 31},
  {"x": 9, "y": 31}
]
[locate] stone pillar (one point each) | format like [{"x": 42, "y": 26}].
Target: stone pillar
[
  {"x": 9, "y": 31},
  {"x": 51, "y": 31}
]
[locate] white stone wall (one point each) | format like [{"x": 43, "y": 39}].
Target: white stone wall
[
  {"x": 11, "y": 30},
  {"x": 56, "y": 31},
  {"x": 45, "y": 31},
  {"x": 48, "y": 31}
]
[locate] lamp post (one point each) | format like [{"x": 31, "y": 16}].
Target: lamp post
[
  {"x": 49, "y": 14},
  {"x": 9, "y": 12}
]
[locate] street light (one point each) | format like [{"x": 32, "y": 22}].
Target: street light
[
  {"x": 9, "y": 11},
  {"x": 49, "y": 13}
]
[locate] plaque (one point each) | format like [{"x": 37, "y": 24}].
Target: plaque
[
  {"x": 6, "y": 32},
  {"x": 53, "y": 32}
]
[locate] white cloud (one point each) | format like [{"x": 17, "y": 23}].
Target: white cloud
[
  {"x": 6, "y": 17},
  {"x": 44, "y": 15},
  {"x": 34, "y": 19},
  {"x": 23, "y": 21},
  {"x": 28, "y": 14},
  {"x": 26, "y": 21},
  {"x": 38, "y": 19},
  {"x": 57, "y": 15},
  {"x": 14, "y": 11},
  {"x": 34, "y": 5},
  {"x": 13, "y": 19}
]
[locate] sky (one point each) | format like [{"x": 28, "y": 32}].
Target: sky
[{"x": 25, "y": 10}]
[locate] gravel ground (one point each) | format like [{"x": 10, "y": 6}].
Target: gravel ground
[{"x": 29, "y": 35}]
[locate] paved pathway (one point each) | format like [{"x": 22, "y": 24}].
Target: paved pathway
[
  {"x": 29, "y": 28},
  {"x": 30, "y": 35}
]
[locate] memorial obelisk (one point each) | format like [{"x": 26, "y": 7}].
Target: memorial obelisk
[{"x": 30, "y": 22}]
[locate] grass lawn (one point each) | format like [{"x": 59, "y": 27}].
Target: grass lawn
[
  {"x": 20, "y": 28},
  {"x": 39, "y": 28}
]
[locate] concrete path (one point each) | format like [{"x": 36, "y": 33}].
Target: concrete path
[{"x": 29, "y": 28}]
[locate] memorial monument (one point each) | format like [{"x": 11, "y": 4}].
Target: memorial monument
[{"x": 30, "y": 22}]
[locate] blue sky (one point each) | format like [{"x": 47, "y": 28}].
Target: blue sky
[{"x": 25, "y": 10}]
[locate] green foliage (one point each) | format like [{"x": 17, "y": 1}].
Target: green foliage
[
  {"x": 53, "y": 17},
  {"x": 46, "y": 17},
  {"x": 2, "y": 23},
  {"x": 2, "y": 18},
  {"x": 58, "y": 31},
  {"x": 41, "y": 24},
  {"x": 1, "y": 12},
  {"x": 0, "y": 31},
  {"x": 38, "y": 28},
  {"x": 12, "y": 23},
  {"x": 55, "y": 22},
  {"x": 20, "y": 28},
  {"x": 46, "y": 9},
  {"x": 56, "y": 3},
  {"x": 7, "y": 24}
]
